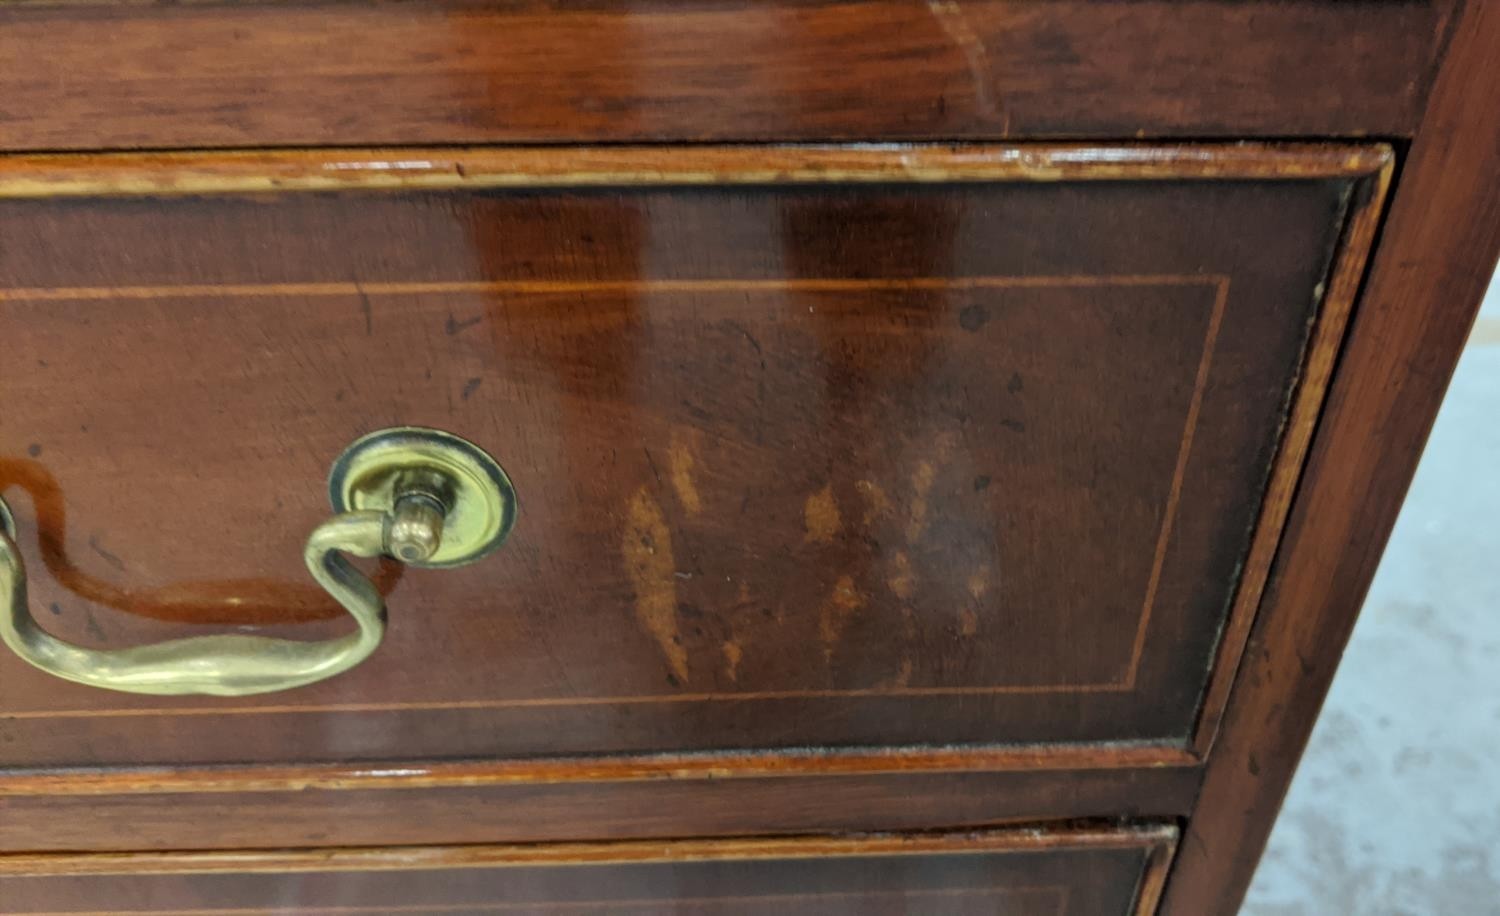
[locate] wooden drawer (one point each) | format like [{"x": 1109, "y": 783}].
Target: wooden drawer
[
  {"x": 850, "y": 447},
  {"x": 1030, "y": 873}
]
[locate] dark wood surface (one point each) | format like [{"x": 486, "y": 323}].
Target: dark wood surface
[
  {"x": 689, "y": 804},
  {"x": 816, "y": 462},
  {"x": 1436, "y": 259},
  {"x": 97, "y": 75},
  {"x": 89, "y": 75},
  {"x": 1032, "y": 873}
]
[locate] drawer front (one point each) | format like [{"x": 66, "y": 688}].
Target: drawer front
[
  {"x": 1038, "y": 873},
  {"x": 854, "y": 447}
]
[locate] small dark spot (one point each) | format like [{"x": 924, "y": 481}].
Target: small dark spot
[
  {"x": 470, "y": 387},
  {"x": 108, "y": 557},
  {"x": 1253, "y": 765},
  {"x": 462, "y": 172},
  {"x": 586, "y": 238},
  {"x": 1015, "y": 426},
  {"x": 42, "y": 363},
  {"x": 1015, "y": 384},
  {"x": 339, "y": 395},
  {"x": 33, "y": 450},
  {"x": 973, "y": 317},
  {"x": 454, "y": 326},
  {"x": 981, "y": 482},
  {"x": 55, "y": 609},
  {"x": 672, "y": 679},
  {"x": 766, "y": 613},
  {"x": 697, "y": 413},
  {"x": 1304, "y": 663}
]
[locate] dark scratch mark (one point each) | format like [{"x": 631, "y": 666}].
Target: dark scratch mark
[
  {"x": 1015, "y": 426},
  {"x": 760, "y": 383},
  {"x": 698, "y": 413},
  {"x": 365, "y": 309},
  {"x": 1253, "y": 766},
  {"x": 749, "y": 338},
  {"x": 453, "y": 326},
  {"x": 93, "y": 627},
  {"x": 108, "y": 557},
  {"x": 655, "y": 471},
  {"x": 470, "y": 387}
]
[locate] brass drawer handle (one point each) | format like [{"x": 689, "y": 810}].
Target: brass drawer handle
[{"x": 425, "y": 497}]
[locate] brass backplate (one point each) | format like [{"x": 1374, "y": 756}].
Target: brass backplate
[{"x": 482, "y": 507}]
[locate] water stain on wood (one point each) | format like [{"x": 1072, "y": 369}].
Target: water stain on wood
[
  {"x": 923, "y": 477},
  {"x": 877, "y": 504},
  {"x": 647, "y": 549},
  {"x": 902, "y": 678},
  {"x": 902, "y": 580},
  {"x": 680, "y": 463},
  {"x": 733, "y": 652},
  {"x": 979, "y": 582},
  {"x": 841, "y": 604},
  {"x": 821, "y": 517},
  {"x": 968, "y": 622}
]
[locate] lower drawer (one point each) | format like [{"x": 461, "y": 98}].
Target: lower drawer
[{"x": 1074, "y": 872}]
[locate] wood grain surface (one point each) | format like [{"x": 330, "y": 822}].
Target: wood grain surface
[
  {"x": 1049, "y": 872},
  {"x": 1437, "y": 256},
  {"x": 98, "y": 75},
  {"x": 688, "y": 804},
  {"x": 814, "y": 462}
]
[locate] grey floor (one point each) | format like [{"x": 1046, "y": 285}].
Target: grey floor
[{"x": 1396, "y": 808}]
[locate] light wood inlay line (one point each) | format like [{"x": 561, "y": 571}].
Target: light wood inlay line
[
  {"x": 1219, "y": 283},
  {"x": 1058, "y": 894},
  {"x": 564, "y": 855},
  {"x": 555, "y": 287},
  {"x": 417, "y": 169},
  {"x": 781, "y": 762}
]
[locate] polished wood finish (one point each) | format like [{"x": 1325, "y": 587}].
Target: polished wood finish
[
  {"x": 349, "y": 74},
  {"x": 410, "y": 774},
  {"x": 399, "y": 88},
  {"x": 692, "y": 376},
  {"x": 1071, "y": 872},
  {"x": 689, "y": 804},
  {"x": 53, "y": 176},
  {"x": 1437, "y": 257}
]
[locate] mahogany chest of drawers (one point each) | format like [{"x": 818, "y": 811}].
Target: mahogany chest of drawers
[{"x": 799, "y": 456}]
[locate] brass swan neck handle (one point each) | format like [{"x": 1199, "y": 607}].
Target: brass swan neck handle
[{"x": 422, "y": 496}]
